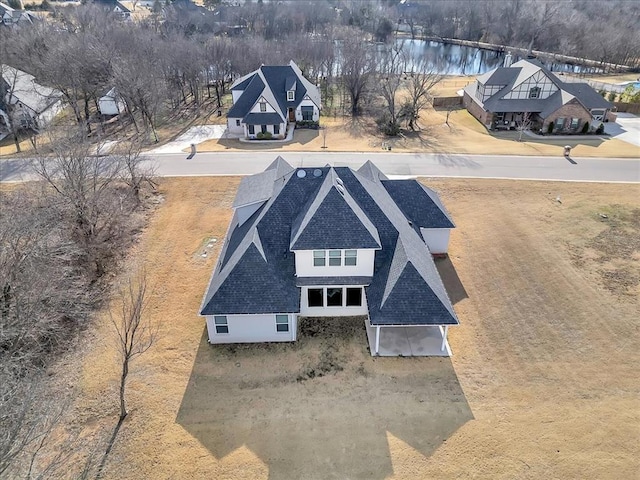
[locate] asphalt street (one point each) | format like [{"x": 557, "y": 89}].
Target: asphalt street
[{"x": 402, "y": 164}]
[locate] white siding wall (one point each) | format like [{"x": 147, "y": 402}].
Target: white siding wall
[
  {"x": 258, "y": 128},
  {"x": 256, "y": 107},
  {"x": 233, "y": 127},
  {"x": 437, "y": 239},
  {"x": 343, "y": 311},
  {"x": 363, "y": 267},
  {"x": 252, "y": 329}
]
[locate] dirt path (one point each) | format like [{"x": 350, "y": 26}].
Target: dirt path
[{"x": 543, "y": 377}]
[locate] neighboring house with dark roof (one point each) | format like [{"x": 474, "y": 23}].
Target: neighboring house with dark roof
[
  {"x": 122, "y": 10},
  {"x": 270, "y": 98},
  {"x": 502, "y": 98},
  {"x": 327, "y": 242},
  {"x": 11, "y": 17},
  {"x": 25, "y": 101}
]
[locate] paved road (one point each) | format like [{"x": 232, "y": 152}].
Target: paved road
[{"x": 410, "y": 164}]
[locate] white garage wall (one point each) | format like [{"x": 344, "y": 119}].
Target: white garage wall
[
  {"x": 252, "y": 329},
  {"x": 437, "y": 239}
]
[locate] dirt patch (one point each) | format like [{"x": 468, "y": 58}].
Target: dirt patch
[{"x": 543, "y": 377}]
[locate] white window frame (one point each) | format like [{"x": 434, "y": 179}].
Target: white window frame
[
  {"x": 280, "y": 322},
  {"x": 317, "y": 256},
  {"x": 291, "y": 95},
  {"x": 335, "y": 258},
  {"x": 263, "y": 107},
  {"x": 225, "y": 325},
  {"x": 353, "y": 254}
]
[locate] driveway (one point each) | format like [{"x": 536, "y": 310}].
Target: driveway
[
  {"x": 626, "y": 128},
  {"x": 195, "y": 135}
]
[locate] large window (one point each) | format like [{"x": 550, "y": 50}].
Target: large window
[
  {"x": 534, "y": 92},
  {"x": 334, "y": 297},
  {"x": 237, "y": 122},
  {"x": 252, "y": 130},
  {"x": 337, "y": 258},
  {"x": 222, "y": 326},
  {"x": 263, "y": 128},
  {"x": 307, "y": 113},
  {"x": 574, "y": 123},
  {"x": 282, "y": 323},
  {"x": 276, "y": 129},
  {"x": 354, "y": 297},
  {"x": 315, "y": 296}
]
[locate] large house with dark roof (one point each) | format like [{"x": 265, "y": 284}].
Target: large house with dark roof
[
  {"x": 504, "y": 97},
  {"x": 271, "y": 98},
  {"x": 327, "y": 242}
]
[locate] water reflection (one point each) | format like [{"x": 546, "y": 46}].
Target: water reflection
[{"x": 447, "y": 59}]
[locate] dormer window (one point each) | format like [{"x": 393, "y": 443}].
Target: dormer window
[
  {"x": 263, "y": 106},
  {"x": 291, "y": 96},
  {"x": 534, "y": 92}
]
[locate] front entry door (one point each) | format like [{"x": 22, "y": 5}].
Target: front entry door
[{"x": 292, "y": 115}]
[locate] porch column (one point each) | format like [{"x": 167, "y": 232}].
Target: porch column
[
  {"x": 444, "y": 337},
  {"x": 377, "y": 338}
]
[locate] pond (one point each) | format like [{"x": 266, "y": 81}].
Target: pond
[{"x": 447, "y": 59}]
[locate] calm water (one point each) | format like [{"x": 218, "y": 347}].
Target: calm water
[{"x": 459, "y": 60}]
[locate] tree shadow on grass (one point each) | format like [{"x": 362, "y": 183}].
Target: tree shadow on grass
[{"x": 329, "y": 425}]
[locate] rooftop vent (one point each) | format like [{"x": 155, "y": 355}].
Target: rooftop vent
[
  {"x": 317, "y": 172},
  {"x": 340, "y": 189},
  {"x": 339, "y": 181},
  {"x": 301, "y": 173}
]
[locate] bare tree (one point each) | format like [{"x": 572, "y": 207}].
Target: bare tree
[
  {"x": 420, "y": 82},
  {"x": 390, "y": 80},
  {"x": 135, "y": 330},
  {"x": 524, "y": 124},
  {"x": 357, "y": 67},
  {"x": 137, "y": 169}
]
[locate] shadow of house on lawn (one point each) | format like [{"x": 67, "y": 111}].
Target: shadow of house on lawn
[
  {"x": 450, "y": 279},
  {"x": 321, "y": 407}
]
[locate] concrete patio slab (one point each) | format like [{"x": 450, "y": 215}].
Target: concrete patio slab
[{"x": 420, "y": 341}]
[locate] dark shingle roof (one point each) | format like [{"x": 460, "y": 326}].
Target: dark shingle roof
[
  {"x": 420, "y": 205},
  {"x": 256, "y": 273},
  {"x": 255, "y": 188},
  {"x": 332, "y": 219},
  {"x": 502, "y": 76},
  {"x": 587, "y": 95},
  {"x": 263, "y": 119},
  {"x": 248, "y": 98}
]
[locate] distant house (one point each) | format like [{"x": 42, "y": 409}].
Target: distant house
[
  {"x": 25, "y": 101},
  {"x": 503, "y": 97},
  {"x": 121, "y": 10},
  {"x": 332, "y": 242},
  {"x": 111, "y": 103},
  {"x": 270, "y": 98},
  {"x": 10, "y": 17}
]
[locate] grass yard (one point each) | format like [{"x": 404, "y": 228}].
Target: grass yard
[
  {"x": 543, "y": 378},
  {"x": 464, "y": 135}
]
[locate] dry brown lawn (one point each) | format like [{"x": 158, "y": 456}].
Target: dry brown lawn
[
  {"x": 543, "y": 382},
  {"x": 464, "y": 135}
]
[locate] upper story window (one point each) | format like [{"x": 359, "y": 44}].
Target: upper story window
[
  {"x": 291, "y": 96},
  {"x": 534, "y": 92},
  {"x": 337, "y": 258},
  {"x": 263, "y": 106}
]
